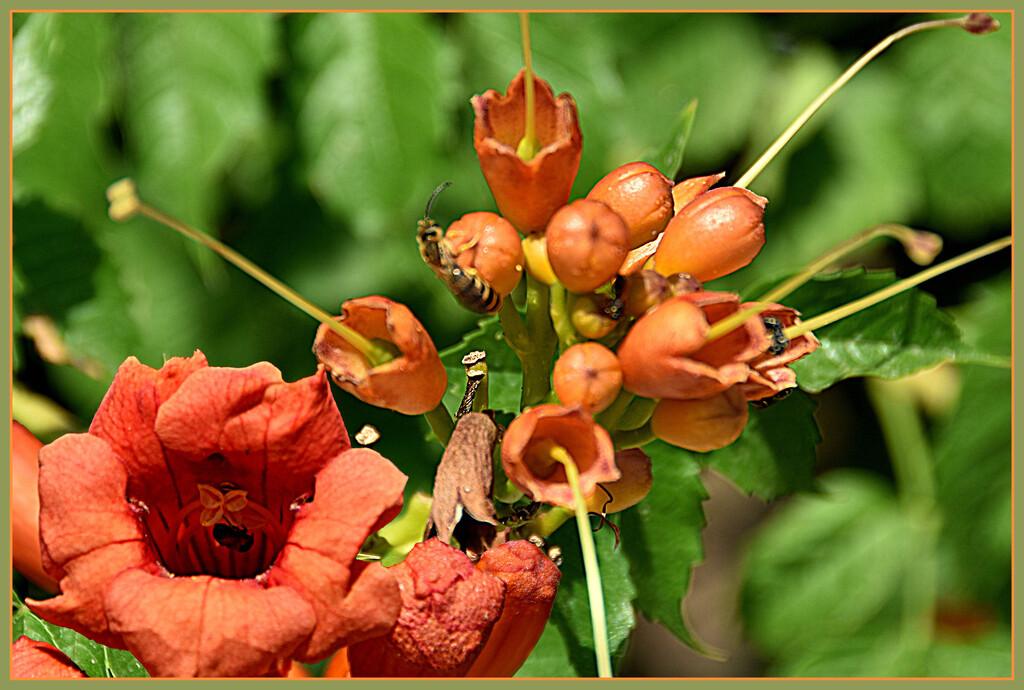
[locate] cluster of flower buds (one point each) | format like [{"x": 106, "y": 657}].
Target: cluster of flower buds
[{"x": 633, "y": 256}]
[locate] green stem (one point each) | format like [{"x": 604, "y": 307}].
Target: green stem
[
  {"x": 804, "y": 116},
  {"x": 537, "y": 361},
  {"x": 125, "y": 203},
  {"x": 529, "y": 145},
  {"x": 637, "y": 414},
  {"x": 560, "y": 318},
  {"x": 547, "y": 522},
  {"x": 512, "y": 326},
  {"x": 609, "y": 417},
  {"x": 440, "y": 423},
  {"x": 633, "y": 438},
  {"x": 590, "y": 565},
  {"x": 896, "y": 288},
  {"x": 914, "y": 472}
]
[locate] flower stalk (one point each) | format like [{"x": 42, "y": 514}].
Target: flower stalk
[{"x": 803, "y": 117}]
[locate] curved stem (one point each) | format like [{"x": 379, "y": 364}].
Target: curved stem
[
  {"x": 895, "y": 289},
  {"x": 804, "y": 116},
  {"x": 637, "y": 414},
  {"x": 590, "y": 565},
  {"x": 633, "y": 438}
]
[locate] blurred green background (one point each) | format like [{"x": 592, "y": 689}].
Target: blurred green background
[{"x": 310, "y": 143}]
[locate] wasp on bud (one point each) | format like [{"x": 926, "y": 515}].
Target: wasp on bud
[{"x": 471, "y": 291}]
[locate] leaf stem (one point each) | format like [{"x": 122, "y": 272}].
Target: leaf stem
[{"x": 440, "y": 423}]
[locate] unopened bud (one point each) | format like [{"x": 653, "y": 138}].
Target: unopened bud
[
  {"x": 587, "y": 243},
  {"x": 535, "y": 253},
  {"x": 489, "y": 245},
  {"x": 630, "y": 489},
  {"x": 589, "y": 316},
  {"x": 587, "y": 375},
  {"x": 701, "y": 425},
  {"x": 647, "y": 289},
  {"x": 642, "y": 197},
  {"x": 980, "y": 23},
  {"x": 719, "y": 232}
]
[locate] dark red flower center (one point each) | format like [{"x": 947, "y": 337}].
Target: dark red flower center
[{"x": 221, "y": 532}]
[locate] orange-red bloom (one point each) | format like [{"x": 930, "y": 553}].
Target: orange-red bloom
[
  {"x": 531, "y": 582},
  {"x": 448, "y": 609},
  {"x": 771, "y": 373},
  {"x": 147, "y": 563},
  {"x": 665, "y": 353},
  {"x": 25, "y": 550},
  {"x": 526, "y": 453},
  {"x": 35, "y": 659},
  {"x": 412, "y": 383},
  {"x": 527, "y": 192}
]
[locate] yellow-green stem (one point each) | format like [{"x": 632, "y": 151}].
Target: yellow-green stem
[
  {"x": 440, "y": 423},
  {"x": 895, "y": 289},
  {"x": 633, "y": 438},
  {"x": 804, "y": 116},
  {"x": 638, "y": 413},
  {"x": 610, "y": 416},
  {"x": 127, "y": 204},
  {"x": 590, "y": 565},
  {"x": 921, "y": 246},
  {"x": 560, "y": 318},
  {"x": 512, "y": 327},
  {"x": 537, "y": 362}
]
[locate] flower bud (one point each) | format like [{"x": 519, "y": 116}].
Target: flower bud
[
  {"x": 589, "y": 317},
  {"x": 488, "y": 244},
  {"x": 587, "y": 375},
  {"x": 642, "y": 197},
  {"x": 587, "y": 243},
  {"x": 527, "y": 192},
  {"x": 701, "y": 425},
  {"x": 626, "y": 492},
  {"x": 719, "y": 232},
  {"x": 412, "y": 383},
  {"x": 527, "y": 453},
  {"x": 531, "y": 582},
  {"x": 647, "y": 289},
  {"x": 535, "y": 252}
]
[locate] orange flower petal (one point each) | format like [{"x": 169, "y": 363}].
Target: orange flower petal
[{"x": 35, "y": 659}]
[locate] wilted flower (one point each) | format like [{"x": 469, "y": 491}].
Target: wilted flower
[
  {"x": 527, "y": 453},
  {"x": 531, "y": 582},
  {"x": 412, "y": 383},
  {"x": 448, "y": 609},
  {"x": 149, "y": 563},
  {"x": 527, "y": 192}
]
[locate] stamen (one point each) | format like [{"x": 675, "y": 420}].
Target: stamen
[
  {"x": 973, "y": 22},
  {"x": 896, "y": 288},
  {"x": 125, "y": 204},
  {"x": 921, "y": 246},
  {"x": 528, "y": 145}
]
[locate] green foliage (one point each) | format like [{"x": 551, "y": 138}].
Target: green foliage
[{"x": 95, "y": 660}]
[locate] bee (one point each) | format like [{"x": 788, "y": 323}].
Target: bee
[
  {"x": 231, "y": 537},
  {"x": 471, "y": 291},
  {"x": 779, "y": 340}
]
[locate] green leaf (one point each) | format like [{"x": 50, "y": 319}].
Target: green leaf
[
  {"x": 504, "y": 370},
  {"x": 60, "y": 95},
  {"x": 897, "y": 337},
  {"x": 670, "y": 158},
  {"x": 195, "y": 103},
  {"x": 826, "y": 567},
  {"x": 775, "y": 454},
  {"x": 566, "y": 648},
  {"x": 661, "y": 537},
  {"x": 371, "y": 115},
  {"x": 94, "y": 659}
]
